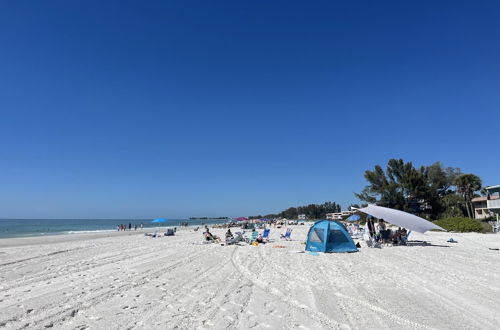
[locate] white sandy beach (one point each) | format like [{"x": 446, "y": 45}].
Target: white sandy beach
[{"x": 122, "y": 281}]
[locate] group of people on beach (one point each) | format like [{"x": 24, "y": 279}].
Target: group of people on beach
[
  {"x": 122, "y": 227},
  {"x": 230, "y": 238},
  {"x": 381, "y": 234}
]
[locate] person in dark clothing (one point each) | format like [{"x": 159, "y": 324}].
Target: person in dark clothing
[{"x": 371, "y": 226}]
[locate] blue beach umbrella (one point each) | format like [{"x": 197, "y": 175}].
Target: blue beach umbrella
[
  {"x": 353, "y": 217},
  {"x": 158, "y": 221}
]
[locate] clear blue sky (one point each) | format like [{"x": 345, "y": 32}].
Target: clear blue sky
[{"x": 188, "y": 108}]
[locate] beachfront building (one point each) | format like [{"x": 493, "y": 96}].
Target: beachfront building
[
  {"x": 493, "y": 204},
  {"x": 301, "y": 217},
  {"x": 493, "y": 199},
  {"x": 338, "y": 215},
  {"x": 480, "y": 204}
]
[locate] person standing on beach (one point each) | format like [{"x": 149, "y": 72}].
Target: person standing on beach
[
  {"x": 381, "y": 225},
  {"x": 371, "y": 226},
  {"x": 129, "y": 226}
]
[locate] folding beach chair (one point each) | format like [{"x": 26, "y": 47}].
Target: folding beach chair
[
  {"x": 252, "y": 238},
  {"x": 371, "y": 241},
  {"x": 404, "y": 239},
  {"x": 355, "y": 232},
  {"x": 209, "y": 238},
  {"x": 265, "y": 235},
  {"x": 287, "y": 234}
]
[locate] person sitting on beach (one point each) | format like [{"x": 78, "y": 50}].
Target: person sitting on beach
[
  {"x": 211, "y": 238},
  {"x": 229, "y": 234},
  {"x": 260, "y": 239},
  {"x": 398, "y": 236}
]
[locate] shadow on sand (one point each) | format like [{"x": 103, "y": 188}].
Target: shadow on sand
[{"x": 424, "y": 243}]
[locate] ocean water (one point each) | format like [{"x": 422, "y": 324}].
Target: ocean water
[{"x": 40, "y": 227}]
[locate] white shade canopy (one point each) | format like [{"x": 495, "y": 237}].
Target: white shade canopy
[{"x": 400, "y": 218}]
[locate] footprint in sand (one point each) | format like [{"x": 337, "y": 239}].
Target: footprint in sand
[{"x": 29, "y": 311}]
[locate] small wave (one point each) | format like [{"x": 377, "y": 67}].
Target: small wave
[{"x": 90, "y": 231}]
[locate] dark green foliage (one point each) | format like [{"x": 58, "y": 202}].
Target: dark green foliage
[
  {"x": 453, "y": 206},
  {"x": 467, "y": 184},
  {"x": 487, "y": 228},
  {"x": 426, "y": 191},
  {"x": 461, "y": 224},
  {"x": 312, "y": 211}
]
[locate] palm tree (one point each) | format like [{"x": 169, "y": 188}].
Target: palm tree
[{"x": 467, "y": 184}]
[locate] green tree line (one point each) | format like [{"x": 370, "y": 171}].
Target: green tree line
[
  {"x": 433, "y": 191},
  {"x": 312, "y": 211}
]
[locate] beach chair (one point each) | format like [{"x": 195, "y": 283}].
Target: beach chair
[
  {"x": 368, "y": 239},
  {"x": 287, "y": 234},
  {"x": 209, "y": 238},
  {"x": 355, "y": 232},
  {"x": 237, "y": 237},
  {"x": 254, "y": 236},
  {"x": 404, "y": 239},
  {"x": 231, "y": 240},
  {"x": 371, "y": 241},
  {"x": 170, "y": 232},
  {"x": 265, "y": 234}
]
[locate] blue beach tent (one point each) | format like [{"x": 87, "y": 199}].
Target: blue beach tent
[{"x": 329, "y": 236}]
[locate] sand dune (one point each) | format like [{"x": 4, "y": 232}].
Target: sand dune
[{"x": 137, "y": 282}]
